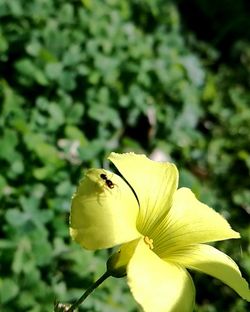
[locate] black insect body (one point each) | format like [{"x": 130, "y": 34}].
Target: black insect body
[
  {"x": 108, "y": 182},
  {"x": 103, "y": 176}
]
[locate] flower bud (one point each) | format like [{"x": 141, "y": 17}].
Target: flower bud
[{"x": 117, "y": 263}]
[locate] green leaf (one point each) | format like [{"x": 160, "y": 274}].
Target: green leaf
[{"x": 8, "y": 290}]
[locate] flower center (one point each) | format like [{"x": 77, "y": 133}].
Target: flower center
[{"x": 149, "y": 242}]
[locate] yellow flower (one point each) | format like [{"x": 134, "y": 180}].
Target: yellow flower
[{"x": 162, "y": 231}]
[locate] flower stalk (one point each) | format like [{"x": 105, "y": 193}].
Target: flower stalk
[{"x": 64, "y": 308}]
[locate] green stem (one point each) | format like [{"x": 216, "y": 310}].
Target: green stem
[{"x": 89, "y": 291}]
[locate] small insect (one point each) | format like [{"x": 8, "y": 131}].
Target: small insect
[{"x": 108, "y": 182}]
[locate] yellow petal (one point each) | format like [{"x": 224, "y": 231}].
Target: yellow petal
[
  {"x": 189, "y": 222},
  {"x": 159, "y": 286},
  {"x": 154, "y": 184},
  {"x": 210, "y": 260},
  {"x": 103, "y": 215}
]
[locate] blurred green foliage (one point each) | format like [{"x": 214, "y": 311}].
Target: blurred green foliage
[{"x": 79, "y": 80}]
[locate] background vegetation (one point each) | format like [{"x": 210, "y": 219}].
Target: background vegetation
[{"x": 81, "y": 79}]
